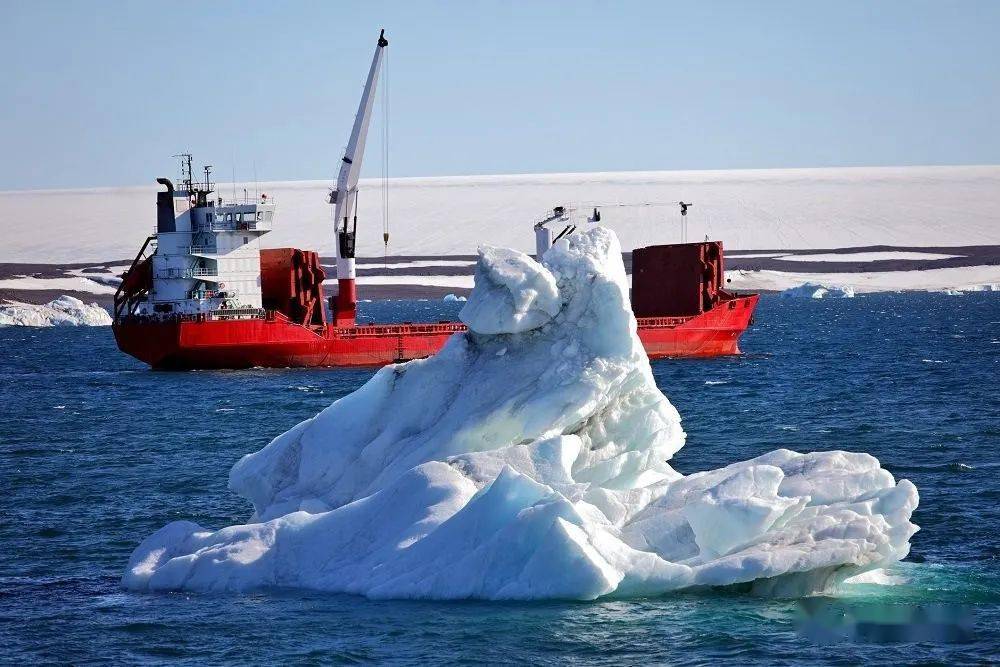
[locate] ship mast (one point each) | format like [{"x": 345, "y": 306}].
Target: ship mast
[{"x": 345, "y": 196}]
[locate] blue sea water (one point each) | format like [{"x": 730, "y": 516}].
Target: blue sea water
[{"x": 96, "y": 452}]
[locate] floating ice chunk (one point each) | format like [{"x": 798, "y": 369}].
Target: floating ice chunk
[
  {"x": 984, "y": 287},
  {"x": 531, "y": 462},
  {"x": 815, "y": 291},
  {"x": 512, "y": 293},
  {"x": 452, "y": 297},
  {"x": 63, "y": 311}
]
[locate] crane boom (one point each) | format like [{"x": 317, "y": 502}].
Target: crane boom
[{"x": 345, "y": 196}]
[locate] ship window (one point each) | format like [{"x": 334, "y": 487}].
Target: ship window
[
  {"x": 209, "y": 217},
  {"x": 246, "y": 239},
  {"x": 258, "y": 215}
]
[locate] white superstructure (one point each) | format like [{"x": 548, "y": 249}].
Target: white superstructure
[{"x": 207, "y": 255}]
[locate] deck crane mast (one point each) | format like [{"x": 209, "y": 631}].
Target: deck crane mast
[
  {"x": 563, "y": 214},
  {"x": 345, "y": 196}
]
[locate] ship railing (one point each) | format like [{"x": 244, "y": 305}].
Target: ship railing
[
  {"x": 188, "y": 273},
  {"x": 237, "y": 314},
  {"x": 215, "y": 315},
  {"x": 249, "y": 201},
  {"x": 215, "y": 226},
  {"x": 202, "y": 250},
  {"x": 410, "y": 327},
  {"x": 662, "y": 321},
  {"x": 202, "y": 294}
]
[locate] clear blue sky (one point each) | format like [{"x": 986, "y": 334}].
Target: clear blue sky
[{"x": 103, "y": 93}]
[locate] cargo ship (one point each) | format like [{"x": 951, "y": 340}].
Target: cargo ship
[{"x": 201, "y": 293}]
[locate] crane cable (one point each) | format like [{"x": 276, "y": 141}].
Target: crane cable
[{"x": 385, "y": 159}]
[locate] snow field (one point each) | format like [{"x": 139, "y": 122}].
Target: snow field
[{"x": 748, "y": 209}]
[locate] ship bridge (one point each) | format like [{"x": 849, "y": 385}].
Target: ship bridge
[{"x": 207, "y": 249}]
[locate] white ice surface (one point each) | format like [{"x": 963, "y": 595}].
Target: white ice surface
[
  {"x": 753, "y": 255},
  {"x": 963, "y": 278},
  {"x": 464, "y": 282},
  {"x": 864, "y": 256},
  {"x": 531, "y": 465},
  {"x": 76, "y": 284},
  {"x": 418, "y": 264},
  {"x": 111, "y": 275},
  {"x": 748, "y": 209},
  {"x": 64, "y": 311}
]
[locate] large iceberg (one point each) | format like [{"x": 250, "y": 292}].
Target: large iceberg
[
  {"x": 528, "y": 459},
  {"x": 63, "y": 311}
]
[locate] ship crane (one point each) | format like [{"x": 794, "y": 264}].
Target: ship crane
[
  {"x": 345, "y": 196},
  {"x": 543, "y": 235},
  {"x": 565, "y": 214}
]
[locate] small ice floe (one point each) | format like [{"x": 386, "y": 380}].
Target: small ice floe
[
  {"x": 952, "y": 292},
  {"x": 817, "y": 291},
  {"x": 452, "y": 297},
  {"x": 932, "y": 361},
  {"x": 64, "y": 311},
  {"x": 712, "y": 383}
]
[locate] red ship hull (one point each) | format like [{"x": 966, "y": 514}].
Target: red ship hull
[
  {"x": 277, "y": 342},
  {"x": 710, "y": 334}
]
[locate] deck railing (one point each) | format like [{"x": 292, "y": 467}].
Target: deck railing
[
  {"x": 220, "y": 314},
  {"x": 233, "y": 226}
]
